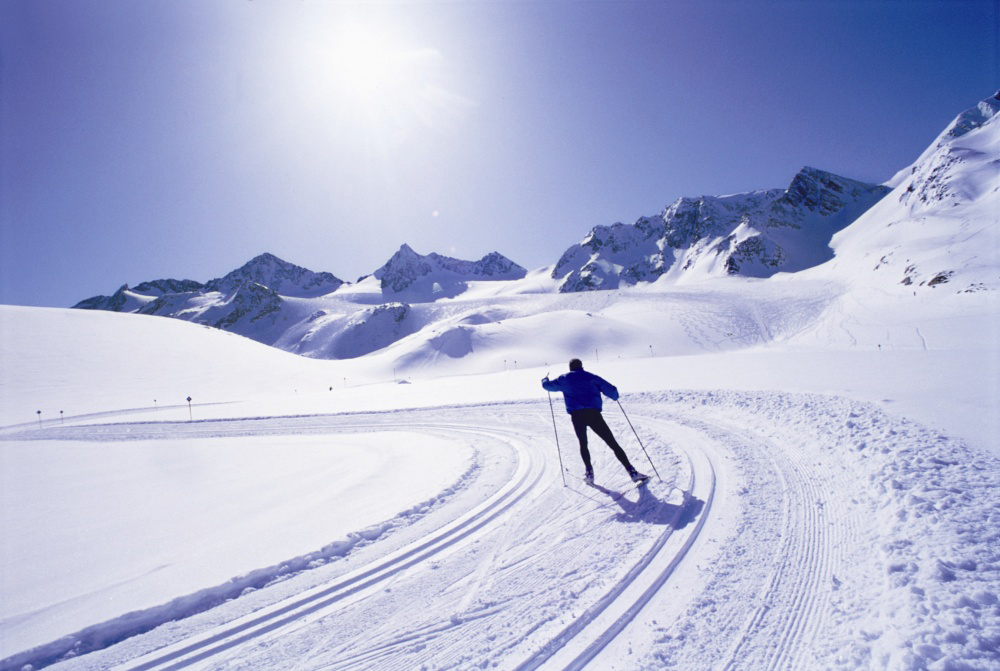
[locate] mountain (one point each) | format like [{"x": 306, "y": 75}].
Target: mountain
[
  {"x": 940, "y": 224},
  {"x": 246, "y": 301},
  {"x": 933, "y": 227},
  {"x": 282, "y": 277},
  {"x": 755, "y": 234},
  {"x": 298, "y": 310},
  {"x": 240, "y": 307},
  {"x": 436, "y": 276},
  {"x": 132, "y": 300}
]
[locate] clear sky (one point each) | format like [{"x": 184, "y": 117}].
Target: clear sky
[{"x": 180, "y": 138}]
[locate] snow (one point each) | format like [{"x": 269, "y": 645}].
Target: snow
[
  {"x": 825, "y": 441},
  {"x": 139, "y": 522},
  {"x": 800, "y": 396}
]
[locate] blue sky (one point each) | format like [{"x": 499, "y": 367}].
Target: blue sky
[{"x": 180, "y": 138}]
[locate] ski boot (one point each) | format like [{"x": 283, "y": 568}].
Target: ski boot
[{"x": 637, "y": 476}]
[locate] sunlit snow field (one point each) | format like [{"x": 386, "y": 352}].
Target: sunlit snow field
[{"x": 119, "y": 504}]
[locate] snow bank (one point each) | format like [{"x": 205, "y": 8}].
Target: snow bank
[
  {"x": 931, "y": 513},
  {"x": 93, "y": 530}
]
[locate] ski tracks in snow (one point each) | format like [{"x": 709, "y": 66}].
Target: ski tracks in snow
[
  {"x": 757, "y": 551},
  {"x": 552, "y": 578}
]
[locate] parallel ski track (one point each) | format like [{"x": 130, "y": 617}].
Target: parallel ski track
[
  {"x": 578, "y": 644},
  {"x": 615, "y": 611},
  {"x": 778, "y": 630},
  {"x": 792, "y": 603},
  {"x": 309, "y": 604},
  {"x": 573, "y": 648}
]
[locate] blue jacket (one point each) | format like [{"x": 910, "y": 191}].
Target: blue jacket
[{"x": 581, "y": 389}]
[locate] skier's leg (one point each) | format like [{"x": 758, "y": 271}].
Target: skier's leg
[
  {"x": 580, "y": 427},
  {"x": 602, "y": 429}
]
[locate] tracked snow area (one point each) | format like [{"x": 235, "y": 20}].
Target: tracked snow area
[
  {"x": 138, "y": 521},
  {"x": 824, "y": 445},
  {"x": 827, "y": 495}
]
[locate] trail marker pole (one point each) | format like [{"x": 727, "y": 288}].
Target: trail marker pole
[
  {"x": 562, "y": 471},
  {"x": 39, "y": 413},
  {"x": 639, "y": 439},
  {"x": 190, "y": 414}
]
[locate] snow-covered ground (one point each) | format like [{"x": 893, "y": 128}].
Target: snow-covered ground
[
  {"x": 827, "y": 495},
  {"x": 825, "y": 446}
]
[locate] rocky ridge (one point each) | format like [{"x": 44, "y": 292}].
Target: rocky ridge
[
  {"x": 754, "y": 234},
  {"x": 408, "y": 270}
]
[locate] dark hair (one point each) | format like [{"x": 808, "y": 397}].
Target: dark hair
[{"x": 575, "y": 364}]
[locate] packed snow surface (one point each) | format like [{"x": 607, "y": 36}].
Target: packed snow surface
[
  {"x": 823, "y": 446},
  {"x": 826, "y": 494}
]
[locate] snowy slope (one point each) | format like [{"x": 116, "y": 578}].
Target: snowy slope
[
  {"x": 753, "y": 234},
  {"x": 422, "y": 278},
  {"x": 938, "y": 229},
  {"x": 282, "y": 277},
  {"x": 134, "y": 299},
  {"x": 549, "y": 572},
  {"x": 825, "y": 443}
]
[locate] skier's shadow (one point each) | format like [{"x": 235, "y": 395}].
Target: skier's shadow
[{"x": 649, "y": 509}]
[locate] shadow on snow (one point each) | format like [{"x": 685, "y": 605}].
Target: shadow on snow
[{"x": 649, "y": 509}]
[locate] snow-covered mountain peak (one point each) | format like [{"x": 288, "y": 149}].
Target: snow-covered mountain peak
[
  {"x": 432, "y": 276},
  {"x": 755, "y": 234},
  {"x": 284, "y": 278},
  {"x": 968, "y": 121},
  {"x": 823, "y": 192},
  {"x": 133, "y": 299},
  {"x": 940, "y": 224},
  {"x": 974, "y": 117}
]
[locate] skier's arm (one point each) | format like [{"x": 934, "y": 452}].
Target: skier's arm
[
  {"x": 551, "y": 385},
  {"x": 608, "y": 389}
]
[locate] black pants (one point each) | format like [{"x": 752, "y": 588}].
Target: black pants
[{"x": 592, "y": 417}]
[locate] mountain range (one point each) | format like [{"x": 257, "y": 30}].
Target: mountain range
[
  {"x": 934, "y": 223},
  {"x": 754, "y": 234}
]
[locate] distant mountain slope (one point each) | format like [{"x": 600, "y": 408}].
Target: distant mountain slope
[
  {"x": 755, "y": 234},
  {"x": 246, "y": 301},
  {"x": 283, "y": 278},
  {"x": 938, "y": 229},
  {"x": 298, "y": 310},
  {"x": 940, "y": 226},
  {"x": 267, "y": 270},
  {"x": 434, "y": 276},
  {"x": 133, "y": 299}
]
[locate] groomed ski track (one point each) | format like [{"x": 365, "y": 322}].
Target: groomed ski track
[{"x": 521, "y": 572}]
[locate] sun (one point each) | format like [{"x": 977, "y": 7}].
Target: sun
[
  {"x": 375, "y": 84},
  {"x": 366, "y": 64}
]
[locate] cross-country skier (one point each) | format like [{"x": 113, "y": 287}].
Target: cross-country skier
[{"x": 582, "y": 393}]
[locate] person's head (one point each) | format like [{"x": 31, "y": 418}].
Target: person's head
[{"x": 575, "y": 364}]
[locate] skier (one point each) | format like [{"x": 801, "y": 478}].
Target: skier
[{"x": 582, "y": 393}]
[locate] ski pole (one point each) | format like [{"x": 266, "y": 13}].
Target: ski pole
[
  {"x": 562, "y": 470},
  {"x": 639, "y": 439}
]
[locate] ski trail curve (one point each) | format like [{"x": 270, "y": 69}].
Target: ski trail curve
[
  {"x": 313, "y": 603},
  {"x": 611, "y": 615},
  {"x": 568, "y": 559},
  {"x": 792, "y": 532},
  {"x": 528, "y": 569}
]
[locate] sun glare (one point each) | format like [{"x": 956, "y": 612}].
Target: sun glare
[
  {"x": 379, "y": 85},
  {"x": 366, "y": 64}
]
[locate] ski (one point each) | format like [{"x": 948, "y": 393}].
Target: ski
[{"x": 614, "y": 494}]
